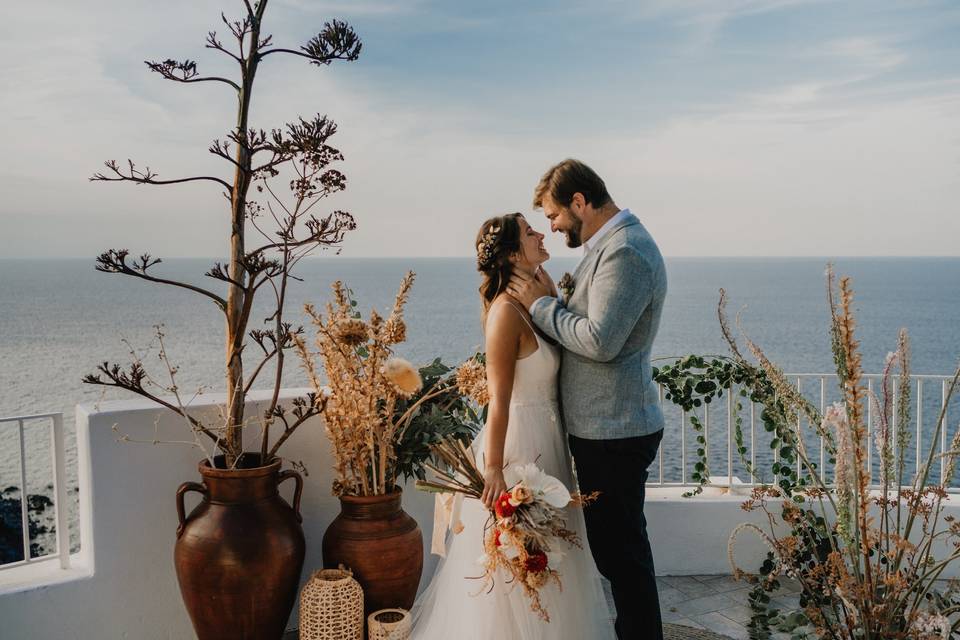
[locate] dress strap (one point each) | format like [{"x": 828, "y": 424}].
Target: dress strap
[{"x": 523, "y": 315}]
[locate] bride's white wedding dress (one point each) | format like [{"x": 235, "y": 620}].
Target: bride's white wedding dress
[{"x": 451, "y": 607}]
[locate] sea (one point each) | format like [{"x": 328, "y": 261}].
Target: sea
[{"x": 60, "y": 318}]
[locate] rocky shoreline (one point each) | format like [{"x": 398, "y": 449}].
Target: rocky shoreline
[{"x": 42, "y": 519}]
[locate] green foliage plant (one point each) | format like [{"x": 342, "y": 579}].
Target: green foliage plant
[{"x": 867, "y": 558}]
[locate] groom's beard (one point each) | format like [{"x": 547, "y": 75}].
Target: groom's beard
[{"x": 573, "y": 233}]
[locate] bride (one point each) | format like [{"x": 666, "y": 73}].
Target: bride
[{"x": 523, "y": 425}]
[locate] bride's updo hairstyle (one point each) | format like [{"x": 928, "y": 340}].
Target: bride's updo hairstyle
[{"x": 497, "y": 240}]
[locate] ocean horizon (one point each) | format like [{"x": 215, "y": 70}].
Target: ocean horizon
[{"x": 59, "y": 319}]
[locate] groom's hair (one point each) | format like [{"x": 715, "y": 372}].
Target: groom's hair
[{"x": 563, "y": 180}]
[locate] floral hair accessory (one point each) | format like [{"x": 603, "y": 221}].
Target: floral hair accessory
[{"x": 487, "y": 248}]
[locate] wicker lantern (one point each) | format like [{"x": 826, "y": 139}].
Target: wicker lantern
[
  {"x": 331, "y": 607},
  {"x": 389, "y": 624}
]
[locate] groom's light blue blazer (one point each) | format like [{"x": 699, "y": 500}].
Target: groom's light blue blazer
[{"x": 606, "y": 328}]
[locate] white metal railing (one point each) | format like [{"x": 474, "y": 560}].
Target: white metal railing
[
  {"x": 55, "y": 420},
  {"x": 725, "y": 475}
]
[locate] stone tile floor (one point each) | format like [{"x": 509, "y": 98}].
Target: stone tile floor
[{"x": 717, "y": 603}]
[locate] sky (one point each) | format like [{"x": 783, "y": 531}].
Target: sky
[{"x": 731, "y": 128}]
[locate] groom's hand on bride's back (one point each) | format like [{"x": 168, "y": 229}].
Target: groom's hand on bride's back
[{"x": 528, "y": 289}]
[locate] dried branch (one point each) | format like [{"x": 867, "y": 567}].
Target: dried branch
[
  {"x": 115, "y": 261},
  {"x": 185, "y": 71},
  {"x": 256, "y": 372},
  {"x": 276, "y": 343},
  {"x": 219, "y": 271},
  {"x": 146, "y": 177},
  {"x": 132, "y": 380},
  {"x": 337, "y": 41},
  {"x": 305, "y": 139},
  {"x": 222, "y": 150},
  {"x": 251, "y": 14},
  {"x": 241, "y": 29},
  {"x": 252, "y": 141},
  {"x": 327, "y": 231},
  {"x": 175, "y": 390},
  {"x": 255, "y": 263},
  {"x": 304, "y": 408},
  {"x": 214, "y": 43}
]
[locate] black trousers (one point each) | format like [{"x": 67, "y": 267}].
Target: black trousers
[{"x": 617, "y": 528}]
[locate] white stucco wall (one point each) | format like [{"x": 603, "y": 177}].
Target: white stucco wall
[
  {"x": 123, "y": 584},
  {"x": 129, "y": 522}
]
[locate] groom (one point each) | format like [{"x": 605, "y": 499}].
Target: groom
[{"x": 606, "y": 326}]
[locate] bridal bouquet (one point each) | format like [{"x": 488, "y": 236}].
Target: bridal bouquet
[{"x": 526, "y": 527}]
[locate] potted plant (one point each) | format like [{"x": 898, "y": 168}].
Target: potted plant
[
  {"x": 241, "y": 516},
  {"x": 867, "y": 558},
  {"x": 382, "y": 416}
]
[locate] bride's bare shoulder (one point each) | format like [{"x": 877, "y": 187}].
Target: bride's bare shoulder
[
  {"x": 506, "y": 305},
  {"x": 504, "y": 314}
]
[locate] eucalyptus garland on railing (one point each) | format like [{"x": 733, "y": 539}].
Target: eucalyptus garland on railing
[{"x": 694, "y": 381}]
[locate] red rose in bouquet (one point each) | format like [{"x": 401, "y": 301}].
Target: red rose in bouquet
[
  {"x": 502, "y": 506},
  {"x": 536, "y": 562}
]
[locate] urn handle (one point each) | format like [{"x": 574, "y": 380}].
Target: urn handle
[
  {"x": 298, "y": 490},
  {"x": 181, "y": 512}
]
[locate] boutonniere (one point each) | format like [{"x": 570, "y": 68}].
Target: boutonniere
[{"x": 566, "y": 285}]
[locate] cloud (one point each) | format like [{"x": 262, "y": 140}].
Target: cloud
[
  {"x": 751, "y": 182},
  {"x": 872, "y": 53},
  {"x": 830, "y": 160},
  {"x": 354, "y": 7},
  {"x": 794, "y": 95},
  {"x": 705, "y": 20}
]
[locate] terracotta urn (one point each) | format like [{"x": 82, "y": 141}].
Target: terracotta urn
[
  {"x": 375, "y": 538},
  {"x": 239, "y": 553}
]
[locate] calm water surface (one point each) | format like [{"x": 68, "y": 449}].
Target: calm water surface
[{"x": 60, "y": 318}]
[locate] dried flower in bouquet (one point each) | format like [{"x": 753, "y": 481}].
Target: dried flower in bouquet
[{"x": 526, "y": 533}]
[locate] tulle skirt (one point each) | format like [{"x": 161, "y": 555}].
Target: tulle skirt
[{"x": 456, "y": 604}]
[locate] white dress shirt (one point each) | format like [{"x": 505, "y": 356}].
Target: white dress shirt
[{"x": 602, "y": 231}]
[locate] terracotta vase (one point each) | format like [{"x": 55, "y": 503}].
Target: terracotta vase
[
  {"x": 239, "y": 553},
  {"x": 381, "y": 544}
]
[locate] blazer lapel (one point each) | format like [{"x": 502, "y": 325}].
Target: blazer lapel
[
  {"x": 583, "y": 262},
  {"x": 591, "y": 255}
]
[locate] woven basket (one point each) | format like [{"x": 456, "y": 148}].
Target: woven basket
[
  {"x": 680, "y": 632},
  {"x": 331, "y": 607},
  {"x": 389, "y": 624}
]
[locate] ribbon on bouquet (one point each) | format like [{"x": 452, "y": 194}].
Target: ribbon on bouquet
[{"x": 446, "y": 515}]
